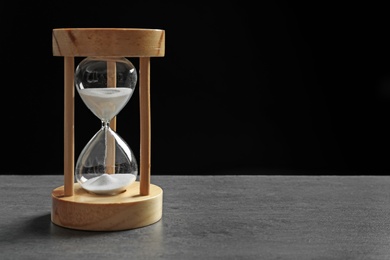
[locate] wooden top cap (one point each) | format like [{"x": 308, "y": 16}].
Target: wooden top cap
[{"x": 122, "y": 42}]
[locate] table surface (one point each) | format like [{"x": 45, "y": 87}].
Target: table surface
[{"x": 213, "y": 217}]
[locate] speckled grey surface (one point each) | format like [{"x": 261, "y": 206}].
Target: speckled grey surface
[{"x": 213, "y": 217}]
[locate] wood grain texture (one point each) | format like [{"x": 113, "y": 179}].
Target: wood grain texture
[
  {"x": 122, "y": 42},
  {"x": 145, "y": 125},
  {"x": 87, "y": 211},
  {"x": 69, "y": 92}
]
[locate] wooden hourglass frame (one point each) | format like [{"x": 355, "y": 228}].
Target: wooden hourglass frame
[{"x": 141, "y": 204}]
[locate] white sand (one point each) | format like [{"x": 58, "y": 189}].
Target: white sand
[
  {"x": 105, "y": 103},
  {"x": 109, "y": 184}
]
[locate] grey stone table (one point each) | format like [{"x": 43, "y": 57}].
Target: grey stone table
[{"x": 213, "y": 217}]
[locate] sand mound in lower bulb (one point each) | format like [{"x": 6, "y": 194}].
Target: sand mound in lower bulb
[{"x": 108, "y": 184}]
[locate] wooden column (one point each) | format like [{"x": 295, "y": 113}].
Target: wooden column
[
  {"x": 144, "y": 101},
  {"x": 111, "y": 83},
  {"x": 68, "y": 125}
]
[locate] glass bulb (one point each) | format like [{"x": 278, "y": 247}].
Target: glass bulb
[{"x": 106, "y": 165}]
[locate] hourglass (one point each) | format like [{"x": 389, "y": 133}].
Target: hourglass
[
  {"x": 107, "y": 164},
  {"x": 101, "y": 192}
]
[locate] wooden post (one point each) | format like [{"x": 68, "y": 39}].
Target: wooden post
[
  {"x": 144, "y": 94},
  {"x": 111, "y": 83},
  {"x": 68, "y": 125}
]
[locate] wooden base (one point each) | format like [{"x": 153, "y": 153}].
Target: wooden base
[{"x": 86, "y": 211}]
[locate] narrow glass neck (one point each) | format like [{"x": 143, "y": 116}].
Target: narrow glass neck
[{"x": 105, "y": 124}]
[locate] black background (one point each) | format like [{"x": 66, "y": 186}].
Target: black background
[{"x": 274, "y": 87}]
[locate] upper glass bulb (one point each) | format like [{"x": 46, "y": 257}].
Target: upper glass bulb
[{"x": 105, "y": 84}]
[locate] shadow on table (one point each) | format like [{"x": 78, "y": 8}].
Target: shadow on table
[{"x": 42, "y": 226}]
